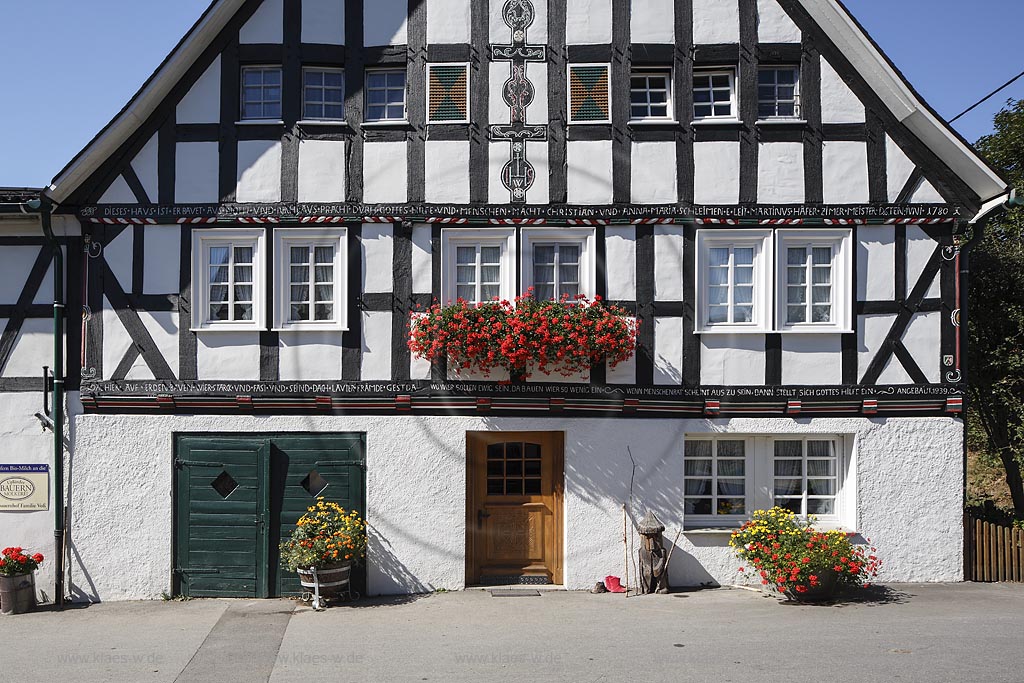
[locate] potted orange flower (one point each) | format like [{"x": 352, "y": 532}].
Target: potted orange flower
[
  {"x": 17, "y": 580},
  {"x": 327, "y": 541}
]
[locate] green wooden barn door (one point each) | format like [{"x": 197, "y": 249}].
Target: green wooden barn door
[
  {"x": 222, "y": 495},
  {"x": 305, "y": 466}
]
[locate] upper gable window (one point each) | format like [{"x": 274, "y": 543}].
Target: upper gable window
[
  {"x": 323, "y": 94},
  {"x": 778, "y": 92},
  {"x": 261, "y": 93},
  {"x": 228, "y": 280},
  {"x": 714, "y": 94},
  {"x": 448, "y": 93},
  {"x": 385, "y": 95},
  {"x": 310, "y": 279},
  {"x": 650, "y": 95},
  {"x": 589, "y": 96}
]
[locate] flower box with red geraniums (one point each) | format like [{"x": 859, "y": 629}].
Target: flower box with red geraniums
[
  {"x": 524, "y": 336},
  {"x": 798, "y": 560},
  {"x": 17, "y": 562}
]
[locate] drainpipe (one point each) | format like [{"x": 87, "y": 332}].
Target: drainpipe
[{"x": 45, "y": 209}]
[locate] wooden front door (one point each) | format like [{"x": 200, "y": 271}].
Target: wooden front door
[{"x": 514, "y": 513}]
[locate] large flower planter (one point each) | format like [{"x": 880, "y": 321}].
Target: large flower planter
[
  {"x": 826, "y": 588},
  {"x": 334, "y": 579},
  {"x": 17, "y": 594}
]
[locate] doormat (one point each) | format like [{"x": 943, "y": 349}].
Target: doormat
[
  {"x": 513, "y": 593},
  {"x": 515, "y": 579}
]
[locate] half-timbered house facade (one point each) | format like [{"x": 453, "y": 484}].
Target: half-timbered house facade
[{"x": 751, "y": 179}]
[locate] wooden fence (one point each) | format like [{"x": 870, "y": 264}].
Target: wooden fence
[{"x": 994, "y": 552}]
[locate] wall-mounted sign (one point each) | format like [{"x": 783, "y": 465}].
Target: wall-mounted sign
[{"x": 24, "y": 487}]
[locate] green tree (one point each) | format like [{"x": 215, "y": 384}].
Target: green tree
[{"x": 996, "y": 325}]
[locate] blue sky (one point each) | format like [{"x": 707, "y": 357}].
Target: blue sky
[{"x": 71, "y": 65}]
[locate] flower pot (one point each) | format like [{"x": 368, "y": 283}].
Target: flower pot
[
  {"x": 828, "y": 586},
  {"x": 17, "y": 594},
  {"x": 334, "y": 580}
]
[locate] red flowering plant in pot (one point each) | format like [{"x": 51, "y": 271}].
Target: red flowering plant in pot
[
  {"x": 17, "y": 582},
  {"x": 799, "y": 561},
  {"x": 528, "y": 335}
]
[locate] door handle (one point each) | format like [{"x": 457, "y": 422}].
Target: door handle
[{"x": 480, "y": 516}]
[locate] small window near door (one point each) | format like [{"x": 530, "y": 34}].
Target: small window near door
[{"x": 514, "y": 469}]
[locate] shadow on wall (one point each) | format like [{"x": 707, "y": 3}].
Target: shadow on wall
[{"x": 382, "y": 561}]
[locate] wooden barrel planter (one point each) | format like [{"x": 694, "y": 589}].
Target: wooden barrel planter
[
  {"x": 17, "y": 594},
  {"x": 828, "y": 584},
  {"x": 335, "y": 580}
]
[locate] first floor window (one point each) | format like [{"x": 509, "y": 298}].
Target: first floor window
[
  {"x": 385, "y": 95},
  {"x": 310, "y": 279},
  {"x": 806, "y": 475},
  {"x": 809, "y": 284},
  {"x": 715, "y": 477},
  {"x": 556, "y": 271},
  {"x": 324, "y": 94},
  {"x": 477, "y": 265},
  {"x": 814, "y": 280},
  {"x": 714, "y": 94},
  {"x": 261, "y": 92},
  {"x": 730, "y": 284},
  {"x": 227, "y": 279},
  {"x": 478, "y": 272},
  {"x": 733, "y": 287},
  {"x": 650, "y": 95}
]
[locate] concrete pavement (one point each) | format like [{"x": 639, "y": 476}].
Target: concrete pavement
[{"x": 933, "y": 633}]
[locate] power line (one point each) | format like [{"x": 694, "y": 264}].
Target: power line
[{"x": 988, "y": 97}]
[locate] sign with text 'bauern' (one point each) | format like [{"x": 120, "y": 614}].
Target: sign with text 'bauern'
[{"x": 24, "y": 487}]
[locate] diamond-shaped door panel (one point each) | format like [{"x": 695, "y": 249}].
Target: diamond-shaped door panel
[
  {"x": 314, "y": 484},
  {"x": 224, "y": 484}
]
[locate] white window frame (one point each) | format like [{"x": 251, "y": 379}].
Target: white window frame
[
  {"x": 286, "y": 238},
  {"x": 762, "y": 243},
  {"x": 797, "y": 106},
  {"x": 242, "y": 118},
  {"x": 760, "y": 480},
  {"x": 585, "y": 238},
  {"x": 323, "y": 69},
  {"x": 648, "y": 72},
  {"x": 568, "y": 93},
  {"x": 733, "y": 95},
  {"x": 469, "y": 92},
  {"x": 405, "y": 96},
  {"x": 715, "y": 519},
  {"x": 841, "y": 242},
  {"x": 201, "y": 241},
  {"x": 452, "y": 238}
]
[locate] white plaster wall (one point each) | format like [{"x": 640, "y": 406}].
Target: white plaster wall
[
  {"x": 266, "y": 24},
  {"x": 923, "y": 340},
  {"x": 774, "y": 24},
  {"x": 716, "y": 168},
  {"x": 838, "y": 103},
  {"x": 118, "y": 255},
  {"x": 908, "y": 482},
  {"x": 448, "y": 21},
  {"x": 118, "y": 193},
  {"x": 588, "y": 22},
  {"x": 652, "y": 21},
  {"x": 385, "y": 174},
  {"x": 259, "y": 171},
  {"x": 898, "y": 168},
  {"x": 162, "y": 257},
  {"x": 845, "y": 172},
  {"x": 16, "y": 264},
  {"x": 116, "y": 340},
  {"x": 385, "y": 22},
  {"x": 668, "y": 351},
  {"x": 623, "y": 373},
  {"x": 422, "y": 259},
  {"x": 537, "y": 112},
  {"x": 620, "y": 262},
  {"x": 312, "y": 356},
  {"x": 876, "y": 259},
  {"x": 716, "y": 21},
  {"x": 653, "y": 173},
  {"x": 446, "y": 178},
  {"x": 497, "y": 110},
  {"x": 146, "y": 168},
  {"x": 376, "y": 345},
  {"x": 378, "y": 256},
  {"x": 31, "y": 351},
  {"x": 537, "y": 154},
  {"x": 228, "y": 355},
  {"x": 812, "y": 359},
  {"x": 926, "y": 194},
  {"x": 202, "y": 102},
  {"x": 536, "y": 34},
  {"x": 871, "y": 332},
  {"x": 668, "y": 262},
  {"x": 163, "y": 328},
  {"x": 780, "y": 173},
  {"x": 323, "y": 21},
  {"x": 589, "y": 172},
  {"x": 732, "y": 359},
  {"x": 322, "y": 170},
  {"x": 196, "y": 174},
  {"x": 920, "y": 251}
]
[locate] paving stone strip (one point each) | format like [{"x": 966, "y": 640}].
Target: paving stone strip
[{"x": 243, "y": 645}]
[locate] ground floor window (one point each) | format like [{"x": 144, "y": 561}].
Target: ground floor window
[{"x": 726, "y": 477}]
